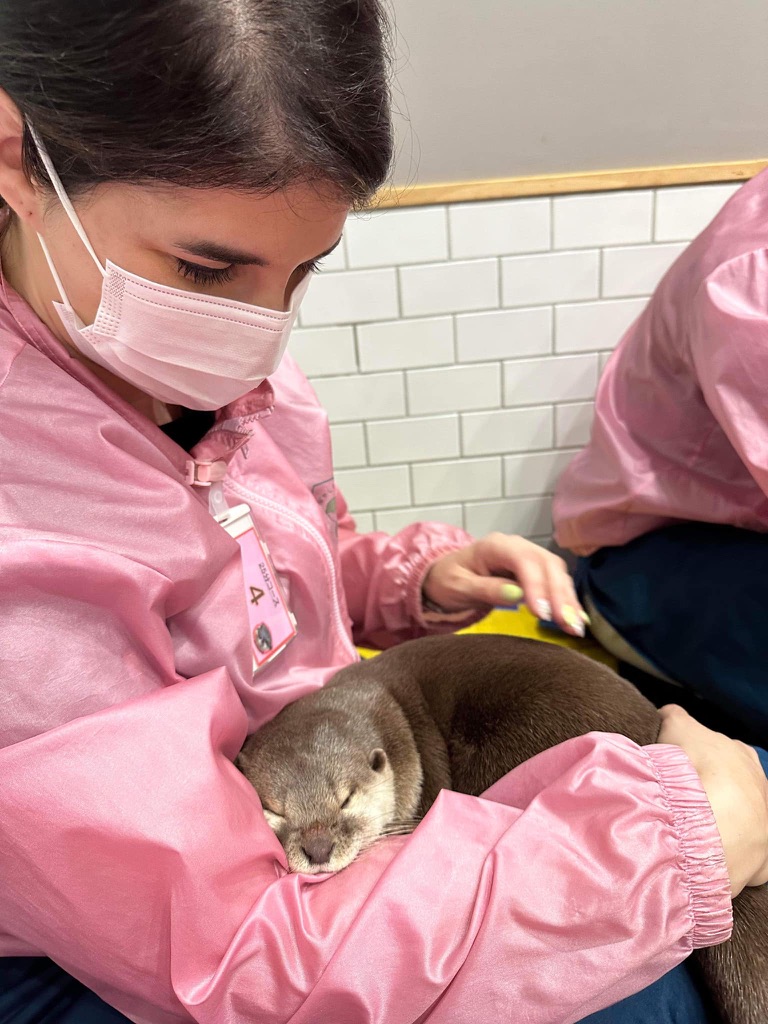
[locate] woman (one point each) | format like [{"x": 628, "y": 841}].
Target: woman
[
  {"x": 668, "y": 504},
  {"x": 172, "y": 173}
]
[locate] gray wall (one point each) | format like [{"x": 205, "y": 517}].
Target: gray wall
[{"x": 502, "y": 88}]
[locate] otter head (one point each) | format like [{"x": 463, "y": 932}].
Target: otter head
[{"x": 326, "y": 784}]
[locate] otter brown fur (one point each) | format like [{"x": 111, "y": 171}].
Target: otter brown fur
[{"x": 458, "y": 713}]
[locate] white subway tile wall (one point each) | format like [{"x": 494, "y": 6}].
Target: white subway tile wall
[
  {"x": 573, "y": 423},
  {"x": 457, "y": 349},
  {"x": 396, "y": 519},
  {"x": 402, "y": 344},
  {"x": 374, "y": 241},
  {"x": 378, "y": 487},
  {"x": 454, "y": 388},
  {"x": 449, "y": 287},
  {"x": 413, "y": 440},
  {"x": 587, "y": 326},
  {"x": 325, "y": 351},
  {"x": 372, "y": 396},
  {"x": 348, "y": 441},
  {"x": 681, "y": 213},
  {"x": 636, "y": 269},
  {"x": 551, "y": 277},
  {"x": 499, "y": 229},
  {"x": 608, "y": 218},
  {"x": 503, "y": 334},
  {"x": 505, "y": 430}
]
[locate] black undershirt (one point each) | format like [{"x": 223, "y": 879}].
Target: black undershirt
[{"x": 189, "y": 428}]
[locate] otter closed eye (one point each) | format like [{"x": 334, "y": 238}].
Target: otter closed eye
[
  {"x": 345, "y": 803},
  {"x": 274, "y": 820}
]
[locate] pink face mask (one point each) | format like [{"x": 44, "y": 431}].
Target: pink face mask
[{"x": 178, "y": 346}]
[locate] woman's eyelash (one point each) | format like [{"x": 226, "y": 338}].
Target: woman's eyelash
[
  {"x": 216, "y": 275},
  {"x": 205, "y": 275},
  {"x": 312, "y": 267}
]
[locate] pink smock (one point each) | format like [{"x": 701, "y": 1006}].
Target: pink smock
[
  {"x": 680, "y": 431},
  {"x": 135, "y": 855}
]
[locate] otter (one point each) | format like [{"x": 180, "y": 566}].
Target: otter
[{"x": 366, "y": 756}]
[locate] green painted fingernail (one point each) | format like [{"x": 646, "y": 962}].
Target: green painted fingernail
[
  {"x": 511, "y": 593},
  {"x": 573, "y": 619}
]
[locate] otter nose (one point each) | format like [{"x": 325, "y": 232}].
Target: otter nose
[{"x": 318, "y": 849}]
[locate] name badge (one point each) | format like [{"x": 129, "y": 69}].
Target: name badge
[{"x": 272, "y": 623}]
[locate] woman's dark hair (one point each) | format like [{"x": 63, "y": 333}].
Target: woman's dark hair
[{"x": 252, "y": 95}]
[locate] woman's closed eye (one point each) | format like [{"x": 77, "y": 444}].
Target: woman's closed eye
[
  {"x": 205, "y": 275},
  {"x": 222, "y": 275}
]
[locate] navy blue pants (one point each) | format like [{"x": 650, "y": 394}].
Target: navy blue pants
[
  {"x": 34, "y": 990},
  {"x": 691, "y": 599}
]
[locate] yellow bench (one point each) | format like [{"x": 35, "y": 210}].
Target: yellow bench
[{"x": 520, "y": 622}]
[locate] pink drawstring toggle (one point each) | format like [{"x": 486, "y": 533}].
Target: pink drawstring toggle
[{"x": 203, "y": 474}]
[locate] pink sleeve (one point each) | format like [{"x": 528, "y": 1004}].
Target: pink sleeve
[
  {"x": 383, "y": 576},
  {"x": 135, "y": 855},
  {"x": 729, "y": 326}
]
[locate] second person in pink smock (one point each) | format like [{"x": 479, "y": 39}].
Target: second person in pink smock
[{"x": 668, "y": 504}]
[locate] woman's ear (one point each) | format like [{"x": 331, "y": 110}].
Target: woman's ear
[{"x": 15, "y": 187}]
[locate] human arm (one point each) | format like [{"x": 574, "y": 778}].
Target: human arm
[
  {"x": 737, "y": 790},
  {"x": 383, "y": 577},
  {"x": 154, "y": 879},
  {"x": 135, "y": 855},
  {"x": 386, "y": 580},
  {"x": 479, "y": 575}
]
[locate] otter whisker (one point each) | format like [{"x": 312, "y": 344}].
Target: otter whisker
[
  {"x": 398, "y": 829},
  {"x": 403, "y": 823}
]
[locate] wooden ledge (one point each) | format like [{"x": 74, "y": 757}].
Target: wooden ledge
[{"x": 566, "y": 184}]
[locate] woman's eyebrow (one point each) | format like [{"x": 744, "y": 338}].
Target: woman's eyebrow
[{"x": 223, "y": 254}]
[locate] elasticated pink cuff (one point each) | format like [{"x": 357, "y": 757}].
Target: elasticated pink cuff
[
  {"x": 702, "y": 849},
  {"x": 431, "y": 620}
]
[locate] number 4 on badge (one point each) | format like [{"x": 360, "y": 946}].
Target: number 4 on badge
[{"x": 256, "y": 595}]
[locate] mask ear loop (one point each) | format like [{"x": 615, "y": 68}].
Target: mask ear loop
[
  {"x": 54, "y": 271},
  {"x": 68, "y": 208}
]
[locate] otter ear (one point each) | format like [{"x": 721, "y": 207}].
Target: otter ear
[{"x": 378, "y": 760}]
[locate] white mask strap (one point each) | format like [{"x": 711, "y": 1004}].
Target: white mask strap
[
  {"x": 54, "y": 271},
  {"x": 65, "y": 202}
]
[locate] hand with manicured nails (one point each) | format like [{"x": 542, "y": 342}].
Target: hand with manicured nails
[
  {"x": 486, "y": 574},
  {"x": 737, "y": 790}
]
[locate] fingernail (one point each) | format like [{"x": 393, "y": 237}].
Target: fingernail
[
  {"x": 585, "y": 617},
  {"x": 572, "y": 619},
  {"x": 544, "y": 609},
  {"x": 511, "y": 594}
]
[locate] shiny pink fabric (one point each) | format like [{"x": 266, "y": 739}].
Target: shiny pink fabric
[
  {"x": 680, "y": 426},
  {"x": 134, "y": 854}
]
